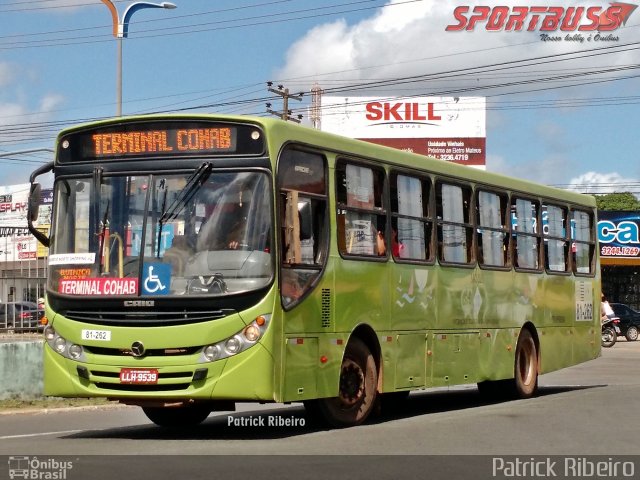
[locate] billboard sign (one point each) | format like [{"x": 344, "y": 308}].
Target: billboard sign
[
  {"x": 619, "y": 234},
  {"x": 448, "y": 128},
  {"x": 16, "y": 242}
]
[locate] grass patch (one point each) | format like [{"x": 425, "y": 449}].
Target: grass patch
[{"x": 50, "y": 402}]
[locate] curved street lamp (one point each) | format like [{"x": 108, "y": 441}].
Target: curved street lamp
[{"x": 121, "y": 30}]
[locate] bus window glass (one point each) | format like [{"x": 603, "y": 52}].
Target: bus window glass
[
  {"x": 454, "y": 232},
  {"x": 303, "y": 216},
  {"x": 410, "y": 232},
  {"x": 73, "y": 200},
  {"x": 175, "y": 234},
  {"x": 361, "y": 217},
  {"x": 492, "y": 232},
  {"x": 553, "y": 222},
  {"x": 525, "y": 221},
  {"x": 583, "y": 245}
]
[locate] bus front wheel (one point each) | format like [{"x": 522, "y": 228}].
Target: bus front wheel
[
  {"x": 357, "y": 390},
  {"x": 175, "y": 417}
]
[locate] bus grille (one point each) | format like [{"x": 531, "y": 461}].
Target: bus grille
[
  {"x": 158, "y": 352},
  {"x": 145, "y": 318}
]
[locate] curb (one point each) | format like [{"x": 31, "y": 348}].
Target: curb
[{"x": 46, "y": 410}]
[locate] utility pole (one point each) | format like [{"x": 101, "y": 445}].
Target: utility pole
[
  {"x": 316, "y": 105},
  {"x": 284, "y": 93}
]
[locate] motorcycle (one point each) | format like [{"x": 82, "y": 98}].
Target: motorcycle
[{"x": 610, "y": 331}]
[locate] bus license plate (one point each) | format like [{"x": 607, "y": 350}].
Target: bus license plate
[{"x": 145, "y": 376}]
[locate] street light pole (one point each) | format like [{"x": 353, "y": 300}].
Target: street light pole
[{"x": 120, "y": 31}]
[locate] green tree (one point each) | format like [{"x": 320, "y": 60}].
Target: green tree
[{"x": 625, "y": 201}]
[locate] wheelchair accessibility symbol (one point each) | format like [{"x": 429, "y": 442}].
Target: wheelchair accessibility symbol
[{"x": 156, "y": 279}]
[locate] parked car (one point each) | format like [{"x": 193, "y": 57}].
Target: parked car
[
  {"x": 629, "y": 320},
  {"x": 21, "y": 316}
]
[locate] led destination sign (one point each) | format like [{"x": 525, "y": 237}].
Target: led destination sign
[
  {"x": 150, "y": 141},
  {"x": 154, "y": 139}
]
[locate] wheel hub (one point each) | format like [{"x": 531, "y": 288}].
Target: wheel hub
[{"x": 351, "y": 383}]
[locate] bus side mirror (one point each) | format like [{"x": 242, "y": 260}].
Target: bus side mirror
[
  {"x": 33, "y": 207},
  {"x": 33, "y": 203}
]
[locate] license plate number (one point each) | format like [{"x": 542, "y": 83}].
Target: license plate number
[
  {"x": 100, "y": 335},
  {"x": 145, "y": 376}
]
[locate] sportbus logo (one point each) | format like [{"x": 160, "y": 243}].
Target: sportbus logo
[{"x": 594, "y": 21}]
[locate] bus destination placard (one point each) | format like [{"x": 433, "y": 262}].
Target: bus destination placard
[{"x": 144, "y": 139}]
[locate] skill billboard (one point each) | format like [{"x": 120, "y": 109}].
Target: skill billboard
[{"x": 448, "y": 128}]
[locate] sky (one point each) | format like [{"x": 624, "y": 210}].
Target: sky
[{"x": 562, "y": 110}]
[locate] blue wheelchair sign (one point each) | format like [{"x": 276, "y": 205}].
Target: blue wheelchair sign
[{"x": 156, "y": 279}]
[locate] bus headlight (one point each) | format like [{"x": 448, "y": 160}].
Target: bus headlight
[
  {"x": 49, "y": 334},
  {"x": 62, "y": 346},
  {"x": 233, "y": 345},
  {"x": 211, "y": 352},
  {"x": 236, "y": 343},
  {"x": 75, "y": 351}
]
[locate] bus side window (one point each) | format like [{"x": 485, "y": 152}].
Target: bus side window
[
  {"x": 526, "y": 233},
  {"x": 492, "y": 232},
  {"x": 361, "y": 214},
  {"x": 453, "y": 204},
  {"x": 411, "y": 225},
  {"x": 303, "y": 222},
  {"x": 556, "y": 246},
  {"x": 583, "y": 244}
]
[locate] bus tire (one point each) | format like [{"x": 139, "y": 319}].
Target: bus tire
[
  {"x": 177, "y": 417},
  {"x": 525, "y": 371},
  {"x": 357, "y": 390}
]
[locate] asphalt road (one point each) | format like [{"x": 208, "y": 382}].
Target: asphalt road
[{"x": 586, "y": 411}]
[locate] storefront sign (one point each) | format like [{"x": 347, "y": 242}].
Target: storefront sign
[{"x": 619, "y": 234}]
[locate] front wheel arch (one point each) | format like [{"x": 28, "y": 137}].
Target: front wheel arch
[{"x": 357, "y": 391}]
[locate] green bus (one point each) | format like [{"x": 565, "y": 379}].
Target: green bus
[{"x": 203, "y": 260}]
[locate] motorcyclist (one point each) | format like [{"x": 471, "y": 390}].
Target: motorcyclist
[{"x": 606, "y": 312}]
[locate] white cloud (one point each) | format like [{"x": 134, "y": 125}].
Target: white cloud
[
  {"x": 50, "y": 102},
  {"x": 594, "y": 182},
  {"x": 407, "y": 40}
]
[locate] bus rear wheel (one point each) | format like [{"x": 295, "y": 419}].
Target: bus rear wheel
[
  {"x": 357, "y": 390},
  {"x": 525, "y": 375},
  {"x": 524, "y": 383},
  {"x": 177, "y": 417}
]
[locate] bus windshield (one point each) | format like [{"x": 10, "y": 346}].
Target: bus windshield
[{"x": 195, "y": 233}]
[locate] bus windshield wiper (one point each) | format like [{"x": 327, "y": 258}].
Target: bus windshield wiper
[
  {"x": 103, "y": 239},
  {"x": 195, "y": 181}
]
